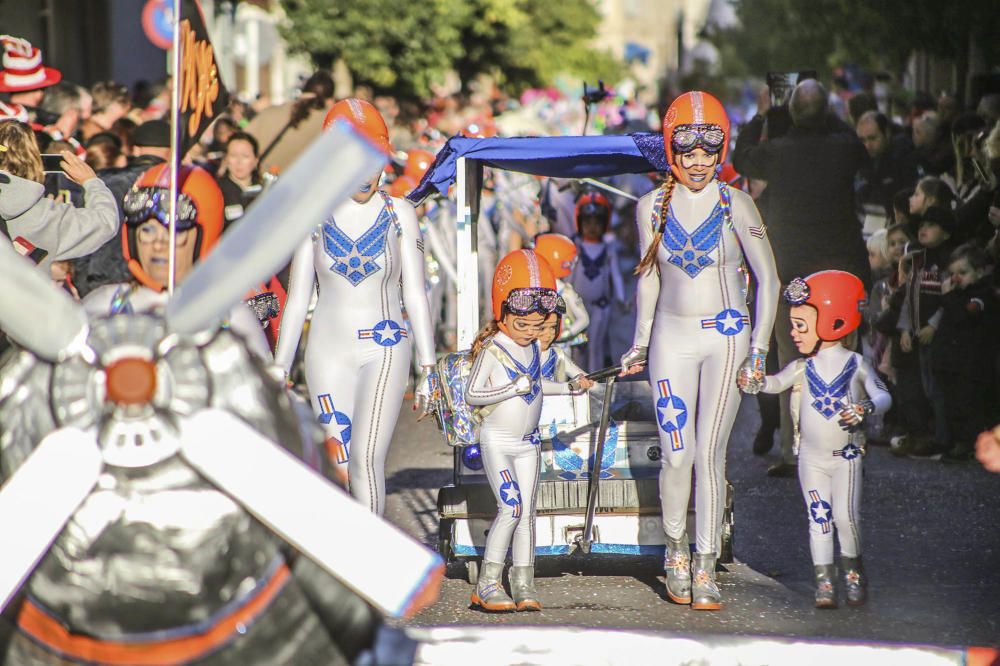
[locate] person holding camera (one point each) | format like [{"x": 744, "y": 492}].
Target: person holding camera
[
  {"x": 811, "y": 218},
  {"x": 40, "y": 228}
]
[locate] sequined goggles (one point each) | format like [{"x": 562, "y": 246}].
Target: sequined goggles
[
  {"x": 686, "y": 138},
  {"x": 527, "y": 300},
  {"x": 143, "y": 203}
]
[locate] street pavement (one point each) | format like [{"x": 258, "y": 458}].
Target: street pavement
[{"x": 930, "y": 538}]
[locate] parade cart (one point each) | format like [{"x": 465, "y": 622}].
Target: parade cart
[{"x": 598, "y": 489}]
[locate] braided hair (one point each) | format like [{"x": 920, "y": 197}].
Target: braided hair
[{"x": 649, "y": 259}]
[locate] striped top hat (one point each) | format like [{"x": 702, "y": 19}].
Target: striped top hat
[{"x": 22, "y": 67}]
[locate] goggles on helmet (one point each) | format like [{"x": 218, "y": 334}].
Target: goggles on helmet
[
  {"x": 527, "y": 300},
  {"x": 143, "y": 203},
  {"x": 797, "y": 292},
  {"x": 686, "y": 138}
]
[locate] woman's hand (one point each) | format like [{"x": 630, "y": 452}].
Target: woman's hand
[
  {"x": 633, "y": 360},
  {"x": 76, "y": 169}
]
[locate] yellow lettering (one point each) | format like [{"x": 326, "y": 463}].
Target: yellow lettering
[{"x": 199, "y": 78}]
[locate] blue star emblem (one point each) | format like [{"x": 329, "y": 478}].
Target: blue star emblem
[
  {"x": 821, "y": 512},
  {"x": 850, "y": 452},
  {"x": 387, "y": 333},
  {"x": 671, "y": 412}
]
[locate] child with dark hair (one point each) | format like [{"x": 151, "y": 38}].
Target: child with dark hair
[
  {"x": 966, "y": 334},
  {"x": 919, "y": 316}
]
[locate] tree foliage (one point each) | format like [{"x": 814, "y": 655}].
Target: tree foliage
[
  {"x": 790, "y": 35},
  {"x": 403, "y": 48}
]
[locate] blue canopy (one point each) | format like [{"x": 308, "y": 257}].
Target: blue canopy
[{"x": 556, "y": 156}]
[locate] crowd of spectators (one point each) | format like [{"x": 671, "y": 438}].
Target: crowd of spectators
[{"x": 921, "y": 191}]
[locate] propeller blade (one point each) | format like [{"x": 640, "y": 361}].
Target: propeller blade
[
  {"x": 39, "y": 498},
  {"x": 378, "y": 561},
  {"x": 256, "y": 247},
  {"x": 42, "y": 319}
]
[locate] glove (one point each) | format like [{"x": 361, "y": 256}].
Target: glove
[
  {"x": 635, "y": 356},
  {"x": 580, "y": 384},
  {"x": 853, "y": 416},
  {"x": 522, "y": 385},
  {"x": 750, "y": 377},
  {"x": 428, "y": 392}
]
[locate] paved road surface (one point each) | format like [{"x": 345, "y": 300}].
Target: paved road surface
[{"x": 931, "y": 546}]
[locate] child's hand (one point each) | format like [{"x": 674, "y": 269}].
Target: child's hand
[
  {"x": 905, "y": 342},
  {"x": 925, "y": 335},
  {"x": 522, "y": 385},
  {"x": 580, "y": 384},
  {"x": 852, "y": 416}
]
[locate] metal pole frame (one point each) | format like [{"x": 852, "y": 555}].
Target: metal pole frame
[
  {"x": 175, "y": 96},
  {"x": 468, "y": 186}
]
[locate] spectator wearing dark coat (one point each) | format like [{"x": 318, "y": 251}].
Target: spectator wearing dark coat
[
  {"x": 811, "y": 216},
  {"x": 151, "y": 146}
]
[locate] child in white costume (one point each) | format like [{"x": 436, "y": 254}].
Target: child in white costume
[
  {"x": 506, "y": 383},
  {"x": 833, "y": 391}
]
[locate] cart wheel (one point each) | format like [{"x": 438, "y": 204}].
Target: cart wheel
[
  {"x": 444, "y": 538},
  {"x": 472, "y": 571}
]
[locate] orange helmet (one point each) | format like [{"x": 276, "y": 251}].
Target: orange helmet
[
  {"x": 593, "y": 203},
  {"x": 523, "y": 283},
  {"x": 418, "y": 161},
  {"x": 695, "y": 120},
  {"x": 558, "y": 251},
  {"x": 480, "y": 129},
  {"x": 402, "y": 186},
  {"x": 838, "y": 297},
  {"x": 364, "y": 117},
  {"x": 199, "y": 205}
]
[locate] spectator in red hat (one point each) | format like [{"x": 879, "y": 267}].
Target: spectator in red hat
[{"x": 23, "y": 76}]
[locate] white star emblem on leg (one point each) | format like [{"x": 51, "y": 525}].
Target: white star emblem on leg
[
  {"x": 511, "y": 494},
  {"x": 731, "y": 321}
]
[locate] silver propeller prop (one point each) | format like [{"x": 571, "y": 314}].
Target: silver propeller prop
[
  {"x": 35, "y": 314},
  {"x": 333, "y": 167},
  {"x": 38, "y": 500},
  {"x": 375, "y": 559}
]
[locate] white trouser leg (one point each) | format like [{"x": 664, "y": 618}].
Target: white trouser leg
[
  {"x": 693, "y": 376},
  {"x": 512, "y": 471},
  {"x": 817, "y": 483},
  {"x": 847, "y": 505},
  {"x": 718, "y": 402},
  {"x": 379, "y": 392}
]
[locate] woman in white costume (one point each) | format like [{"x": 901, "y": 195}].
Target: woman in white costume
[
  {"x": 694, "y": 327},
  {"x": 367, "y": 261}
]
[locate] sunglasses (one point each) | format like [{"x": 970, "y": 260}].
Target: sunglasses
[
  {"x": 525, "y": 301},
  {"x": 709, "y": 138},
  {"x": 143, "y": 203}
]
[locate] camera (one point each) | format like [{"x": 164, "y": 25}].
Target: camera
[
  {"x": 595, "y": 95},
  {"x": 781, "y": 84},
  {"x": 52, "y": 163}
]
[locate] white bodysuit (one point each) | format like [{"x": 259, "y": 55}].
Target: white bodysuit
[
  {"x": 693, "y": 316},
  {"x": 366, "y": 259},
  {"x": 510, "y": 442},
  {"x": 597, "y": 279},
  {"x": 829, "y": 457},
  {"x": 132, "y": 298}
]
